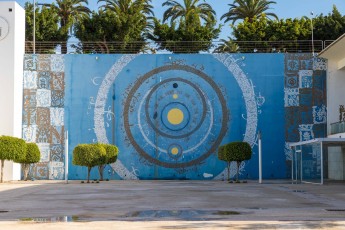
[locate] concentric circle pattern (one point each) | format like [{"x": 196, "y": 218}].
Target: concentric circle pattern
[{"x": 169, "y": 116}]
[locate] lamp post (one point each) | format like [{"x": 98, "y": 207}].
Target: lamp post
[
  {"x": 34, "y": 29},
  {"x": 312, "y": 32}
]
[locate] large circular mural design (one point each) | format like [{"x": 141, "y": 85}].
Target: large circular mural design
[
  {"x": 174, "y": 116},
  {"x": 173, "y": 124}
]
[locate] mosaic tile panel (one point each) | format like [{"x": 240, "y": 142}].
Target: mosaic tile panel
[
  {"x": 29, "y": 116},
  {"x": 43, "y": 112},
  {"x": 306, "y": 116},
  {"x": 30, "y": 79},
  {"x": 30, "y": 63},
  {"x": 43, "y": 80}
]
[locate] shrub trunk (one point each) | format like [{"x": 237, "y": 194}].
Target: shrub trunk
[
  {"x": 101, "y": 171},
  {"x": 26, "y": 168},
  {"x": 2, "y": 170},
  {"x": 238, "y": 168},
  {"x": 88, "y": 174}
]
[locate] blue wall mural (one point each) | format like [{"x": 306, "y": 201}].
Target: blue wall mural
[{"x": 169, "y": 113}]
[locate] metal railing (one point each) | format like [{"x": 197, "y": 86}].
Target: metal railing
[
  {"x": 58, "y": 47},
  {"x": 338, "y": 127}
]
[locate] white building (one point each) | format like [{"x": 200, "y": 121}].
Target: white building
[
  {"x": 12, "y": 38},
  {"x": 335, "y": 54}
]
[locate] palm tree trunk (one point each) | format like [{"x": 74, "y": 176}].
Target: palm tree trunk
[{"x": 2, "y": 170}]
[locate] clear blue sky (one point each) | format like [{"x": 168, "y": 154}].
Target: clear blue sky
[{"x": 283, "y": 8}]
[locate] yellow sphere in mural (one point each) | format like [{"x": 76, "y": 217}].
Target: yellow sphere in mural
[
  {"x": 175, "y": 116},
  {"x": 174, "y": 151},
  {"x": 175, "y": 96}
]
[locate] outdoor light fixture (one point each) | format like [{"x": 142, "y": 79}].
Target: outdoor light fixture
[
  {"x": 312, "y": 32},
  {"x": 34, "y": 29}
]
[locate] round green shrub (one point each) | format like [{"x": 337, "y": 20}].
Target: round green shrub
[
  {"x": 88, "y": 155},
  {"x": 238, "y": 151},
  {"x": 32, "y": 154},
  {"x": 111, "y": 152},
  {"x": 12, "y": 148}
]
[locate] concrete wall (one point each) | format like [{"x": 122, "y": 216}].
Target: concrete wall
[
  {"x": 128, "y": 99},
  {"x": 335, "y": 92},
  {"x": 336, "y": 163},
  {"x": 11, "y": 72}
]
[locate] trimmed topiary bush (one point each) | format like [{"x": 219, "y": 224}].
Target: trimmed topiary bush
[
  {"x": 32, "y": 155},
  {"x": 235, "y": 151},
  {"x": 110, "y": 157},
  {"x": 11, "y": 148},
  {"x": 88, "y": 155}
]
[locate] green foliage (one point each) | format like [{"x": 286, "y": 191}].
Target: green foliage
[
  {"x": 12, "y": 148},
  {"x": 32, "y": 154},
  {"x": 248, "y": 10},
  {"x": 227, "y": 46},
  {"x": 234, "y": 151},
  {"x": 69, "y": 12},
  {"x": 120, "y": 26},
  {"x": 189, "y": 12},
  {"x": 88, "y": 155},
  {"x": 47, "y": 28},
  {"x": 192, "y": 27},
  {"x": 261, "y": 29},
  {"x": 110, "y": 157},
  {"x": 184, "y": 38},
  {"x": 111, "y": 152},
  {"x": 329, "y": 27},
  {"x": 238, "y": 151}
]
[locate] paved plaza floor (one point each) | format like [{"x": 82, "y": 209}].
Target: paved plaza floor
[{"x": 171, "y": 205}]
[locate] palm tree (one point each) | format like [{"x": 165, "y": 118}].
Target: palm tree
[
  {"x": 241, "y": 9},
  {"x": 127, "y": 6},
  {"x": 227, "y": 46},
  {"x": 189, "y": 12},
  {"x": 70, "y": 11},
  {"x": 134, "y": 21}
]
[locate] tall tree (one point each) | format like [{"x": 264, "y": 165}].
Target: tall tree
[
  {"x": 46, "y": 29},
  {"x": 131, "y": 13},
  {"x": 192, "y": 27},
  {"x": 242, "y": 9},
  {"x": 260, "y": 30},
  {"x": 329, "y": 27},
  {"x": 69, "y": 12},
  {"x": 119, "y": 26},
  {"x": 189, "y": 12}
]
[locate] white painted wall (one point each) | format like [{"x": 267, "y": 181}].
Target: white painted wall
[
  {"x": 11, "y": 77},
  {"x": 335, "y": 98},
  {"x": 335, "y": 92}
]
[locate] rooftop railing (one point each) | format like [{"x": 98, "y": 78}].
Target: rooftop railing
[
  {"x": 338, "y": 127},
  {"x": 58, "y": 47}
]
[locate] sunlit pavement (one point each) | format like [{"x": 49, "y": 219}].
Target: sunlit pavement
[{"x": 171, "y": 205}]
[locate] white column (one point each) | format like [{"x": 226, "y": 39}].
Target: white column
[
  {"x": 260, "y": 158},
  {"x": 12, "y": 38},
  {"x": 66, "y": 157}
]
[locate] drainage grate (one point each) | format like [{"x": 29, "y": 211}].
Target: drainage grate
[
  {"x": 335, "y": 210},
  {"x": 302, "y": 191},
  {"x": 3, "y": 211}
]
